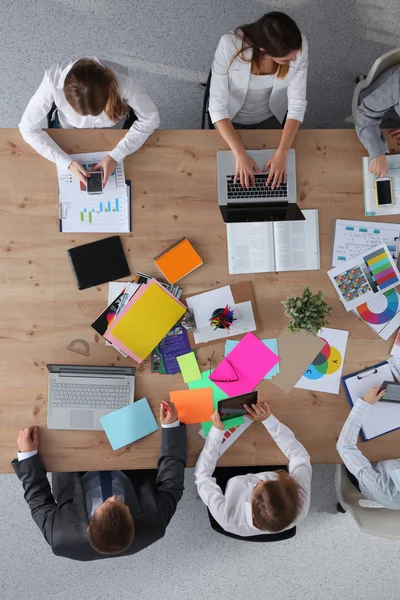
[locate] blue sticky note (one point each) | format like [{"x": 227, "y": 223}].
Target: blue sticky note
[
  {"x": 272, "y": 344},
  {"x": 129, "y": 424}
]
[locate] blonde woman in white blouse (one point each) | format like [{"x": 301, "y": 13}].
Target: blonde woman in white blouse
[{"x": 259, "y": 81}]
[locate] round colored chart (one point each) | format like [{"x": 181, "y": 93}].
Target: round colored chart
[
  {"x": 328, "y": 361},
  {"x": 380, "y": 310}
]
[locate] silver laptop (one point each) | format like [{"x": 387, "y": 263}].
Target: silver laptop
[
  {"x": 259, "y": 202},
  {"x": 80, "y": 395}
]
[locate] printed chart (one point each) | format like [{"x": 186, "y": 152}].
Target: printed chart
[
  {"x": 94, "y": 216},
  {"x": 324, "y": 373},
  {"x": 353, "y": 238},
  {"x": 382, "y": 313}
]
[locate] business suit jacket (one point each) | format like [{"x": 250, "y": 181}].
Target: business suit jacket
[{"x": 61, "y": 515}]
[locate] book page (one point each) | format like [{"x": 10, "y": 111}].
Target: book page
[
  {"x": 297, "y": 243},
  {"x": 250, "y": 247}
]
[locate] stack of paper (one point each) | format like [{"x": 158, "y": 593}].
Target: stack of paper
[
  {"x": 107, "y": 212},
  {"x": 145, "y": 321}
]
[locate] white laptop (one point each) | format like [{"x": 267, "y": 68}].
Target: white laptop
[{"x": 80, "y": 395}]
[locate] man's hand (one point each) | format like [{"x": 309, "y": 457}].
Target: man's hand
[
  {"x": 276, "y": 166},
  {"x": 168, "y": 413},
  {"x": 216, "y": 421},
  {"x": 259, "y": 411},
  {"x": 79, "y": 172},
  {"x": 245, "y": 169},
  {"x": 395, "y": 133},
  {"x": 107, "y": 165},
  {"x": 379, "y": 166},
  {"x": 28, "y": 439},
  {"x": 374, "y": 395}
]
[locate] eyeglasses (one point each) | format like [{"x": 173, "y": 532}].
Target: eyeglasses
[{"x": 234, "y": 372}]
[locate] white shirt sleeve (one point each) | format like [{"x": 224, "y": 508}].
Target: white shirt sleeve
[
  {"x": 35, "y": 118},
  {"x": 24, "y": 455},
  {"x": 147, "y": 121},
  {"x": 219, "y": 88},
  {"x": 170, "y": 425},
  {"x": 209, "y": 491},
  {"x": 297, "y": 89},
  {"x": 299, "y": 459}
]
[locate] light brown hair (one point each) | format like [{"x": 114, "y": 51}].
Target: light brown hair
[
  {"x": 276, "y": 503},
  {"x": 111, "y": 530},
  {"x": 276, "y": 33},
  {"x": 91, "y": 89}
]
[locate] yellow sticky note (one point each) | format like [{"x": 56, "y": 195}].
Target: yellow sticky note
[{"x": 189, "y": 367}]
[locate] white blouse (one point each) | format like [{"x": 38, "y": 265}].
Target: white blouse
[
  {"x": 51, "y": 90},
  {"x": 256, "y": 107}
]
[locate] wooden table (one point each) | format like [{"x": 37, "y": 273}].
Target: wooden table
[{"x": 174, "y": 194}]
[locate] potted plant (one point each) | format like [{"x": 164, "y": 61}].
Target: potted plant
[{"x": 307, "y": 312}]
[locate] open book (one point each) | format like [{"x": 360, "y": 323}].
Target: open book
[{"x": 273, "y": 247}]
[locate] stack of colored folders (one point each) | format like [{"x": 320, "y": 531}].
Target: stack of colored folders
[{"x": 146, "y": 319}]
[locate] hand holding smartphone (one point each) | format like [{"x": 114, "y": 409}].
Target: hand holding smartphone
[
  {"x": 94, "y": 183},
  {"x": 383, "y": 191}
]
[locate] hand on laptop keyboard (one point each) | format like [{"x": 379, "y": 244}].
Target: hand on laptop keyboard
[
  {"x": 245, "y": 169},
  {"x": 276, "y": 166}
]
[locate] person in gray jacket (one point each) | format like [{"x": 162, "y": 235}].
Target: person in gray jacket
[{"x": 380, "y": 108}]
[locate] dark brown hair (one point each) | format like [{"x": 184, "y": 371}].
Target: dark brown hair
[
  {"x": 276, "y": 503},
  {"x": 276, "y": 33},
  {"x": 111, "y": 530},
  {"x": 91, "y": 89}
]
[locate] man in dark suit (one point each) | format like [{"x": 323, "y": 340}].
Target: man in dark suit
[{"x": 99, "y": 514}]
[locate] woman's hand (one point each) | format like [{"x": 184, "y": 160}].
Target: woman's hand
[
  {"x": 259, "y": 411},
  {"x": 379, "y": 166},
  {"x": 374, "y": 395},
  {"x": 245, "y": 169},
  {"x": 276, "y": 166},
  {"x": 107, "y": 165},
  {"x": 79, "y": 172},
  {"x": 216, "y": 421}
]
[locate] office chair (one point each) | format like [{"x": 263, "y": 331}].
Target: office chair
[
  {"x": 222, "y": 475},
  {"x": 131, "y": 117},
  {"x": 205, "y": 115},
  {"x": 384, "y": 62},
  {"x": 381, "y": 522}
]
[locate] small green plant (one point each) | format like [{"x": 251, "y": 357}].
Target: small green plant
[{"x": 307, "y": 312}]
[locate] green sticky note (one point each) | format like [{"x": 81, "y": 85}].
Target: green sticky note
[
  {"x": 234, "y": 422},
  {"x": 189, "y": 367}
]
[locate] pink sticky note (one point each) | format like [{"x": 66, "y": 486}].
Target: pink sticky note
[{"x": 251, "y": 359}]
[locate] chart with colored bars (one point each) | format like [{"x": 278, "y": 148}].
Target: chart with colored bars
[
  {"x": 353, "y": 238},
  {"x": 92, "y": 213},
  {"x": 98, "y": 216},
  {"x": 382, "y": 313}
]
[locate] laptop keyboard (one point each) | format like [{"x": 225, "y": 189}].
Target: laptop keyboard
[
  {"x": 90, "y": 395},
  {"x": 259, "y": 190}
]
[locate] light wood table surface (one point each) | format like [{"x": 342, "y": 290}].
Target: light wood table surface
[{"x": 174, "y": 193}]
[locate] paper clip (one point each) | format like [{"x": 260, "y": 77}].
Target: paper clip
[{"x": 367, "y": 374}]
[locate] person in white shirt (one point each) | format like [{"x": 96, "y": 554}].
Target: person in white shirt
[
  {"x": 256, "y": 504},
  {"x": 259, "y": 78},
  {"x": 381, "y": 483},
  {"x": 93, "y": 94}
]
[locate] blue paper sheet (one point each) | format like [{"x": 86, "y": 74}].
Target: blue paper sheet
[
  {"x": 272, "y": 344},
  {"x": 129, "y": 424}
]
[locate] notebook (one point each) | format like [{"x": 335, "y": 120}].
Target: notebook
[
  {"x": 178, "y": 261},
  {"x": 145, "y": 321},
  {"x": 352, "y": 238},
  {"x": 274, "y": 246}
]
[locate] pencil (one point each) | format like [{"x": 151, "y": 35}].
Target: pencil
[{"x": 166, "y": 407}]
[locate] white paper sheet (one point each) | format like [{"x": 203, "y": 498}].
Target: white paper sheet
[
  {"x": 204, "y": 304},
  {"x": 385, "y": 309},
  {"x": 250, "y": 247},
  {"x": 352, "y": 238},
  {"x": 243, "y": 312},
  {"x": 383, "y": 416},
  {"x": 297, "y": 244},
  {"x": 324, "y": 374},
  {"x": 115, "y": 288}
]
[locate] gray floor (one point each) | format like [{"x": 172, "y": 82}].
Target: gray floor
[{"x": 169, "y": 45}]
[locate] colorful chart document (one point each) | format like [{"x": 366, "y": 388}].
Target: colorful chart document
[
  {"x": 352, "y": 238},
  {"x": 129, "y": 424},
  {"x": 382, "y": 314},
  {"x": 365, "y": 277}
]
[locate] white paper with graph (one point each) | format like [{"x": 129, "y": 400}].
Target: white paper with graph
[
  {"x": 352, "y": 238},
  {"x": 108, "y": 212}
]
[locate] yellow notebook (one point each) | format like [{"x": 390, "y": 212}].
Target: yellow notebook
[
  {"x": 178, "y": 261},
  {"x": 145, "y": 320}
]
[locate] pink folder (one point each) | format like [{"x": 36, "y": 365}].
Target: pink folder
[{"x": 251, "y": 361}]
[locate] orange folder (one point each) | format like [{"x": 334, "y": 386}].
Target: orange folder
[
  {"x": 193, "y": 406},
  {"x": 178, "y": 261}
]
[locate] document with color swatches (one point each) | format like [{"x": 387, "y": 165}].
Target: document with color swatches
[
  {"x": 129, "y": 424},
  {"x": 365, "y": 277},
  {"x": 145, "y": 320}
]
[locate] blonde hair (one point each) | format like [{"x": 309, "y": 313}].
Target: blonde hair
[{"x": 91, "y": 89}]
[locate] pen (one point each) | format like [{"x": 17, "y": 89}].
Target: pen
[{"x": 166, "y": 407}]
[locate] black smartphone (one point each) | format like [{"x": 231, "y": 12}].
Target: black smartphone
[
  {"x": 94, "y": 183},
  {"x": 234, "y": 407},
  {"x": 383, "y": 187},
  {"x": 392, "y": 391}
]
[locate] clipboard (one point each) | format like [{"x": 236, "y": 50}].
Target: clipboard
[
  {"x": 241, "y": 292},
  {"x": 383, "y": 415}
]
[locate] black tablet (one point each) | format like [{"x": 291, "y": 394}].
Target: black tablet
[
  {"x": 98, "y": 262},
  {"x": 234, "y": 407}
]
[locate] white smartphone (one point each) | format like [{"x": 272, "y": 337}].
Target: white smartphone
[
  {"x": 383, "y": 191},
  {"x": 94, "y": 183}
]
